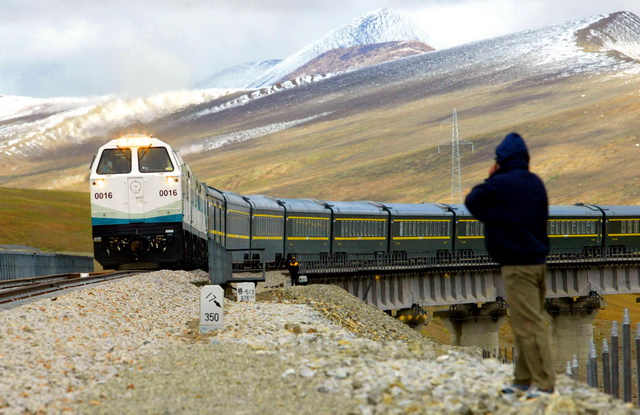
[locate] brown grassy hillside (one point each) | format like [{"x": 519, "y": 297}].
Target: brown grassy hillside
[
  {"x": 48, "y": 220},
  {"x": 582, "y": 135}
]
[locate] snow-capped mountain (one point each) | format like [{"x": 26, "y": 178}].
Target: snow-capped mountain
[
  {"x": 30, "y": 127},
  {"x": 33, "y": 131},
  {"x": 354, "y": 57},
  {"x": 237, "y": 76},
  {"x": 619, "y": 32},
  {"x": 379, "y": 26}
]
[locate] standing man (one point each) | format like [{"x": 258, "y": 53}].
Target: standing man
[
  {"x": 294, "y": 269},
  {"x": 513, "y": 205}
]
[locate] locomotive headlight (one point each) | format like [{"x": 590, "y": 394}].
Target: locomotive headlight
[
  {"x": 172, "y": 180},
  {"x": 98, "y": 182},
  {"x": 134, "y": 141}
]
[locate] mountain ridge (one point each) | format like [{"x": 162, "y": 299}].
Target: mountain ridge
[
  {"x": 383, "y": 25},
  {"x": 354, "y": 57},
  {"x": 371, "y": 132}
]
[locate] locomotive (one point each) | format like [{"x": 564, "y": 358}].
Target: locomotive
[{"x": 149, "y": 210}]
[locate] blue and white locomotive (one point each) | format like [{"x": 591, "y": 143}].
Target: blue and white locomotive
[{"x": 148, "y": 210}]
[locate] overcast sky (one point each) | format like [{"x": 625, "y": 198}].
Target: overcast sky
[{"x": 139, "y": 47}]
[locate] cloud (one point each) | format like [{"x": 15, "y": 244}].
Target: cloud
[{"x": 83, "y": 47}]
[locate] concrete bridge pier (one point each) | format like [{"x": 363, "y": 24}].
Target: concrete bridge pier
[
  {"x": 475, "y": 324},
  {"x": 571, "y": 328}
]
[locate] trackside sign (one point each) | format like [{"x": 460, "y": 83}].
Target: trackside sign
[{"x": 211, "y": 308}]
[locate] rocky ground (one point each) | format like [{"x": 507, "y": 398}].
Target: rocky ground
[{"x": 134, "y": 346}]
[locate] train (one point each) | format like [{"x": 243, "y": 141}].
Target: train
[{"x": 149, "y": 211}]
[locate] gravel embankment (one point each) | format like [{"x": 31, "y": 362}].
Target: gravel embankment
[{"x": 133, "y": 346}]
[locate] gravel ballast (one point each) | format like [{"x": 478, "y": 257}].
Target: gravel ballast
[{"x": 133, "y": 346}]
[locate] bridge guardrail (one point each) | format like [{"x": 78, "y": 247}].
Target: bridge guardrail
[
  {"x": 343, "y": 263},
  {"x": 15, "y": 264}
]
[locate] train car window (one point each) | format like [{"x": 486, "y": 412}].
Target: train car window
[
  {"x": 574, "y": 227},
  {"x": 115, "y": 161},
  {"x": 636, "y": 226},
  {"x": 552, "y": 227},
  {"x": 154, "y": 160},
  {"x": 623, "y": 226}
]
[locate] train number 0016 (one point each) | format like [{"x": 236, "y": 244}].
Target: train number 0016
[
  {"x": 166, "y": 192},
  {"x": 103, "y": 195}
]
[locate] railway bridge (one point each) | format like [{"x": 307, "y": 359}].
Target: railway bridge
[{"x": 474, "y": 293}]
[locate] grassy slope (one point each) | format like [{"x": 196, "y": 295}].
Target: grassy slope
[
  {"x": 581, "y": 133},
  {"x": 49, "y": 220}
]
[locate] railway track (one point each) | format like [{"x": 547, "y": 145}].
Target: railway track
[{"x": 20, "y": 289}]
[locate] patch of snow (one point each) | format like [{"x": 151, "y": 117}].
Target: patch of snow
[
  {"x": 237, "y": 76},
  {"x": 221, "y": 140},
  {"x": 259, "y": 93},
  {"x": 77, "y": 123}
]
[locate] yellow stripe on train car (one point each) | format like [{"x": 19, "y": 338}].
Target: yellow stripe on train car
[
  {"x": 572, "y": 236},
  {"x": 361, "y": 238},
  {"x": 421, "y": 220},
  {"x": 363, "y": 219},
  {"x": 402, "y": 238}
]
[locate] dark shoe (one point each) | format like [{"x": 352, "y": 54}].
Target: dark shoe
[{"x": 515, "y": 389}]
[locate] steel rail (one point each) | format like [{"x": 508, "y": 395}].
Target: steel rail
[{"x": 32, "y": 287}]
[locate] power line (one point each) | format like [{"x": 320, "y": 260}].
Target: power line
[{"x": 456, "y": 169}]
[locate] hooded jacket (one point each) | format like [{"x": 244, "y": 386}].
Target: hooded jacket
[{"x": 514, "y": 207}]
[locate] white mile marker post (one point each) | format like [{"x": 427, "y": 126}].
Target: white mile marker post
[{"x": 211, "y": 308}]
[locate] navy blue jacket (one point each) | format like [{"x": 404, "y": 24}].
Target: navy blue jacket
[{"x": 514, "y": 207}]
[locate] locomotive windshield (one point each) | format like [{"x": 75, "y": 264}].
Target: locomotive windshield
[
  {"x": 115, "y": 161},
  {"x": 154, "y": 160}
]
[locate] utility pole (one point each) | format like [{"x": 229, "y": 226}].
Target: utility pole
[{"x": 456, "y": 170}]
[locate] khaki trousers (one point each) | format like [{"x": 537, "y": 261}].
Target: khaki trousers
[{"x": 525, "y": 287}]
